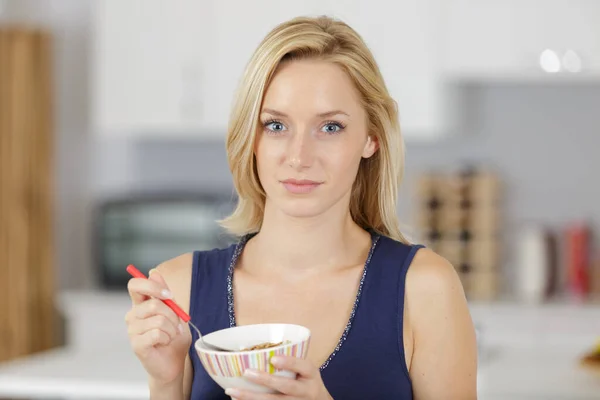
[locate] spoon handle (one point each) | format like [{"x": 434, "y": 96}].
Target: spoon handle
[{"x": 196, "y": 329}]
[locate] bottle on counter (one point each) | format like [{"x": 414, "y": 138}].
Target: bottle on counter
[
  {"x": 578, "y": 260},
  {"x": 595, "y": 279},
  {"x": 533, "y": 265}
]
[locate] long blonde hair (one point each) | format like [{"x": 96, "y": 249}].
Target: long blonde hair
[{"x": 375, "y": 190}]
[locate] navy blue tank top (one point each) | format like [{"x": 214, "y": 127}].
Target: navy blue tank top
[{"x": 368, "y": 361}]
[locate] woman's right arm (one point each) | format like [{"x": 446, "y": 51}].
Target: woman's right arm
[
  {"x": 180, "y": 389},
  {"x": 158, "y": 337}
]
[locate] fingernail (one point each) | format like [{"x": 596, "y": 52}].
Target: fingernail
[
  {"x": 250, "y": 373},
  {"x": 151, "y": 271},
  {"x": 232, "y": 392},
  {"x": 166, "y": 294},
  {"x": 276, "y": 361},
  {"x": 180, "y": 327}
]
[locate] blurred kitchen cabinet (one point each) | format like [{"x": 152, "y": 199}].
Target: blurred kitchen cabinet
[
  {"x": 521, "y": 39},
  {"x": 147, "y": 67},
  {"x": 401, "y": 34},
  {"x": 164, "y": 68}
]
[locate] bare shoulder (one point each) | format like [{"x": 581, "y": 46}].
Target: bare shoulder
[
  {"x": 177, "y": 272},
  {"x": 433, "y": 290},
  {"x": 431, "y": 274},
  {"x": 176, "y": 266},
  {"x": 444, "y": 358}
]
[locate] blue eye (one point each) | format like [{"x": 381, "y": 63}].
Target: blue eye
[
  {"x": 332, "y": 128},
  {"x": 274, "y": 126}
]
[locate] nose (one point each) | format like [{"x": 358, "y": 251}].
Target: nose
[{"x": 300, "y": 151}]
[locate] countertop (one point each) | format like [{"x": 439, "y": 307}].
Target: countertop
[
  {"x": 527, "y": 353},
  {"x": 80, "y": 374},
  {"x": 75, "y": 374}
]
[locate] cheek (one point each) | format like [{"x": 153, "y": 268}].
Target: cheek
[
  {"x": 269, "y": 153},
  {"x": 342, "y": 161}
]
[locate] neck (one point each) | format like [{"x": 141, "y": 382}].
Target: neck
[{"x": 329, "y": 240}]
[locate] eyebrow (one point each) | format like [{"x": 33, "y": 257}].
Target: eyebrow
[{"x": 322, "y": 115}]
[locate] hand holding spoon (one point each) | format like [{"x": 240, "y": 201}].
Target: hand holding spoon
[{"x": 133, "y": 271}]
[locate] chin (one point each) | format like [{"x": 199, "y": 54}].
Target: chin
[{"x": 302, "y": 207}]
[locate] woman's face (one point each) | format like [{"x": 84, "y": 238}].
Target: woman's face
[{"x": 312, "y": 136}]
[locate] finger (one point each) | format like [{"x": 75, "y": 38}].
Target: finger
[
  {"x": 140, "y": 289},
  {"x": 136, "y": 298},
  {"x": 247, "y": 395},
  {"x": 155, "y": 322},
  {"x": 301, "y": 366},
  {"x": 155, "y": 337},
  {"x": 281, "y": 384},
  {"x": 152, "y": 307},
  {"x": 155, "y": 276}
]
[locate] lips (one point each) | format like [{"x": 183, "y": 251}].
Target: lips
[{"x": 300, "y": 186}]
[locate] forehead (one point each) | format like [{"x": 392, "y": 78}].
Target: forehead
[{"x": 311, "y": 86}]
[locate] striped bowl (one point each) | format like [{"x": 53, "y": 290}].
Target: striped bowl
[{"x": 227, "y": 368}]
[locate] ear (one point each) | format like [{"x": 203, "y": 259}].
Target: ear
[{"x": 371, "y": 146}]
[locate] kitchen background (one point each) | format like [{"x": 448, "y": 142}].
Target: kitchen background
[{"x": 139, "y": 109}]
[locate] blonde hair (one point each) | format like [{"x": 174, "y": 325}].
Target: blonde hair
[{"x": 375, "y": 190}]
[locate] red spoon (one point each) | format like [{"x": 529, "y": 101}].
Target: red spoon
[{"x": 136, "y": 273}]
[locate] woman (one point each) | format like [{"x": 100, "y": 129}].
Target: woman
[{"x": 317, "y": 157}]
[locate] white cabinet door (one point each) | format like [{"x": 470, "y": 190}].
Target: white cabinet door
[
  {"x": 401, "y": 34},
  {"x": 236, "y": 35},
  {"x": 506, "y": 38},
  {"x": 403, "y": 37},
  {"x": 164, "y": 68},
  {"x": 147, "y": 76}
]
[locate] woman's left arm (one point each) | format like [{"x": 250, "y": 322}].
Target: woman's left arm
[{"x": 444, "y": 357}]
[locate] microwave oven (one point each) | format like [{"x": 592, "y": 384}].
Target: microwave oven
[{"x": 145, "y": 230}]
